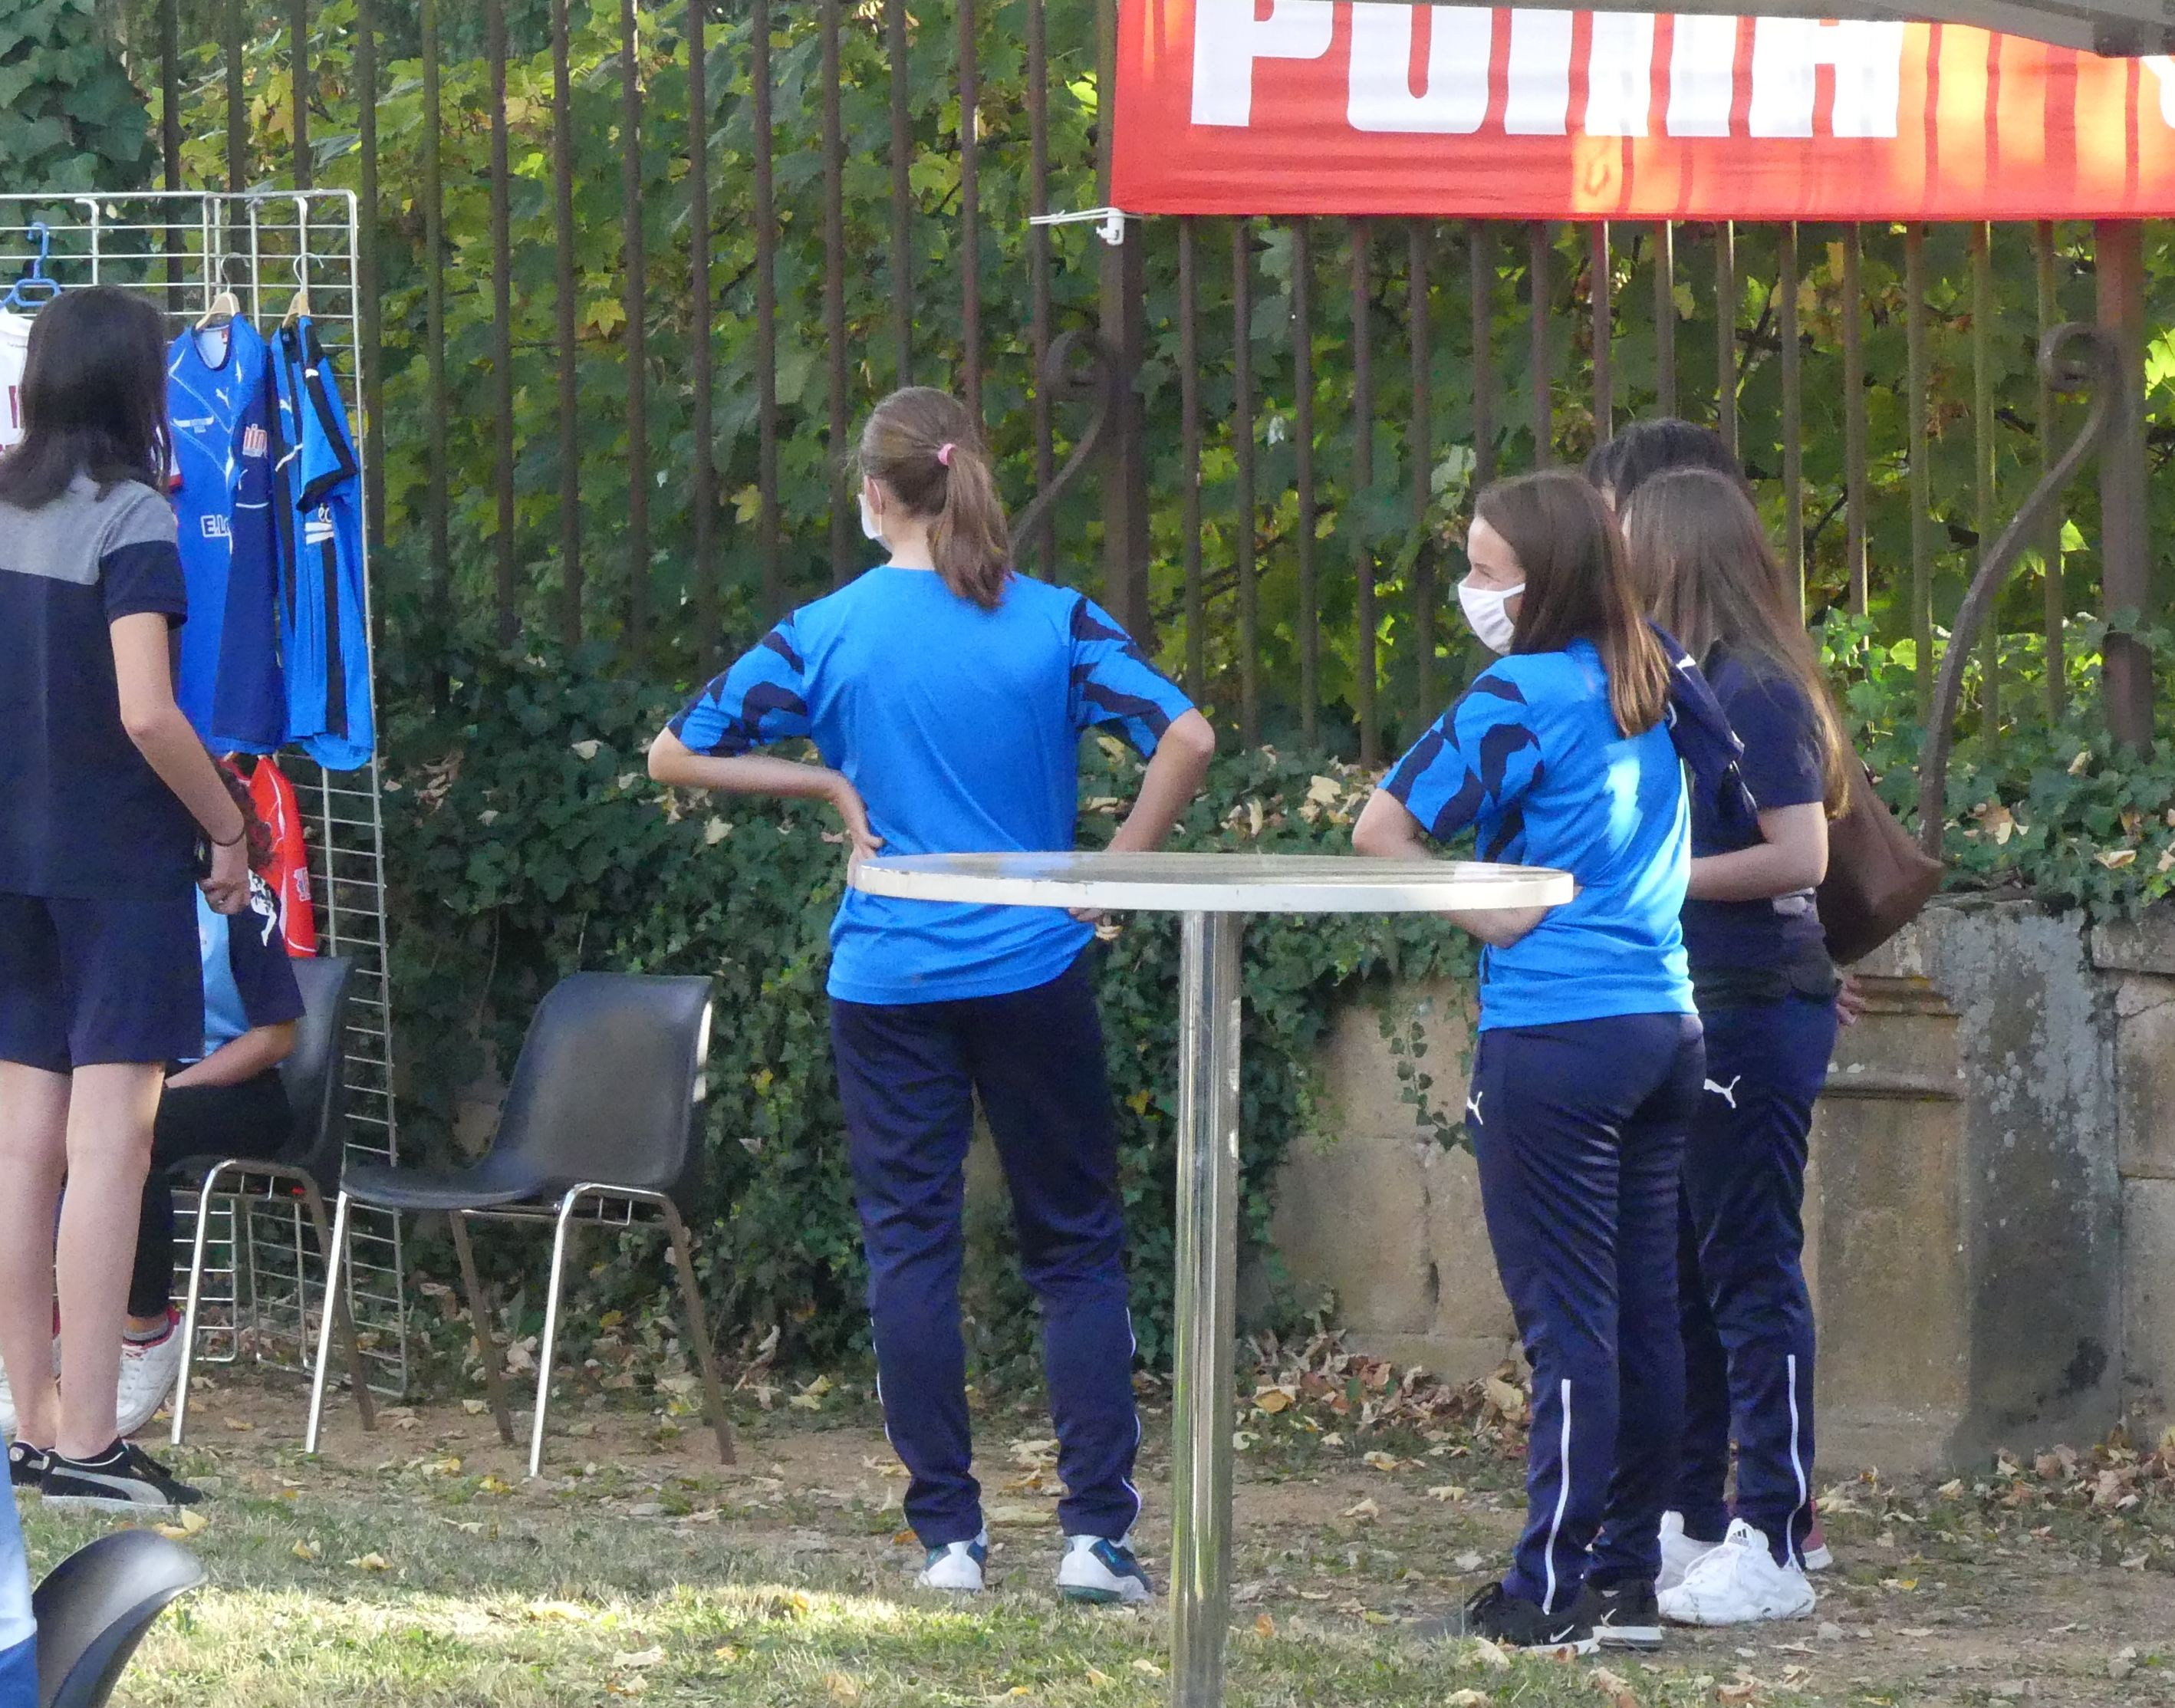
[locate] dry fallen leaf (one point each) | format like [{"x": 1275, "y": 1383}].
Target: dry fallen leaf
[
  {"x": 1264, "y": 1626},
  {"x": 1147, "y": 1669},
  {"x": 1273, "y": 1400},
  {"x": 306, "y": 1550},
  {"x": 370, "y": 1562},
  {"x": 474, "y": 1408},
  {"x": 1490, "y": 1655},
  {"x": 1446, "y": 1491},
  {"x": 1614, "y": 1686},
  {"x": 841, "y": 1687},
  {"x": 1506, "y": 1399},
  {"x": 640, "y": 1657},
  {"x": 1365, "y": 1511},
  {"x": 1097, "y": 1679},
  {"x": 1466, "y": 1699}
]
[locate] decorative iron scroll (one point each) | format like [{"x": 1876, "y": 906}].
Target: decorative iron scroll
[{"x": 1078, "y": 367}]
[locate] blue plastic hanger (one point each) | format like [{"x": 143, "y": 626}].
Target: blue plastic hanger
[{"x": 34, "y": 288}]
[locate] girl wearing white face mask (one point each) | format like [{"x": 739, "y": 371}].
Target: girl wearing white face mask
[{"x": 1590, "y": 1057}]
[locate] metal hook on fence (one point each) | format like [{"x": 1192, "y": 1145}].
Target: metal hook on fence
[
  {"x": 1079, "y": 367},
  {"x": 2097, "y": 368}
]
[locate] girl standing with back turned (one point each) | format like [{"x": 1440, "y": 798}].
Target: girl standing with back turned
[
  {"x": 1589, "y": 1059},
  {"x": 102, "y": 777},
  {"x": 946, "y": 697}
]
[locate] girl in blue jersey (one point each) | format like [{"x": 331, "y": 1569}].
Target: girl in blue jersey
[
  {"x": 946, "y": 696},
  {"x": 1589, "y": 1059},
  {"x": 1767, "y": 991}
]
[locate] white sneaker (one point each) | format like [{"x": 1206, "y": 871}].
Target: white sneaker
[
  {"x": 1679, "y": 1551},
  {"x": 1739, "y": 1584},
  {"x": 7, "y": 1419},
  {"x": 148, "y": 1369},
  {"x": 1095, "y": 1569},
  {"x": 957, "y": 1566}
]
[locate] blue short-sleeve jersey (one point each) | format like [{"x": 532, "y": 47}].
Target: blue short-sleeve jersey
[
  {"x": 1530, "y": 760},
  {"x": 249, "y": 981},
  {"x": 961, "y": 729},
  {"x": 1782, "y": 767},
  {"x": 219, "y": 394}
]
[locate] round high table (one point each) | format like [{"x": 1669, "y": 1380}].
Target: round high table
[{"x": 1213, "y": 893}]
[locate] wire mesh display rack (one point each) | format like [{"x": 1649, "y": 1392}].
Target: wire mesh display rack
[{"x": 263, "y": 1281}]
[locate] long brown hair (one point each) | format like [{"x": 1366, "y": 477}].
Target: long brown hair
[
  {"x": 1578, "y": 586},
  {"x": 1705, "y": 567},
  {"x": 922, "y": 445}
]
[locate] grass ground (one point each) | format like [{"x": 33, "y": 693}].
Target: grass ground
[{"x": 416, "y": 1567}]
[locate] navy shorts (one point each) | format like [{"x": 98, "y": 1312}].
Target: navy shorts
[{"x": 86, "y": 981}]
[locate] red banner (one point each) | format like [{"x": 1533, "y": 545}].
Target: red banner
[{"x": 1357, "y": 106}]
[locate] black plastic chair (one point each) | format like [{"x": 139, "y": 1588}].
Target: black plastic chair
[
  {"x": 94, "y": 1607},
  {"x": 604, "y": 1111},
  {"x": 315, "y": 1155}
]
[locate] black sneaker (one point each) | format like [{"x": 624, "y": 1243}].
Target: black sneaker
[
  {"x": 123, "y": 1478},
  {"x": 1623, "y": 1615},
  {"x": 1512, "y": 1622},
  {"x": 27, "y": 1465}
]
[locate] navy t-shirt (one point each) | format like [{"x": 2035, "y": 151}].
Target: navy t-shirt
[
  {"x": 961, "y": 729},
  {"x": 1531, "y": 758},
  {"x": 1782, "y": 767},
  {"x": 82, "y": 813},
  {"x": 247, "y": 979}
]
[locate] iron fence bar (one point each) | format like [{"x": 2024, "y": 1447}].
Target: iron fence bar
[
  {"x": 834, "y": 294},
  {"x": 369, "y": 352},
  {"x": 237, "y": 101},
  {"x": 1537, "y": 284},
  {"x": 571, "y": 592},
  {"x": 1122, "y": 292},
  {"x": 1037, "y": 108},
  {"x": 1922, "y": 522},
  {"x": 1242, "y": 447},
  {"x": 1480, "y": 258},
  {"x": 434, "y": 344},
  {"x": 1665, "y": 318},
  {"x": 502, "y": 322},
  {"x": 1600, "y": 293},
  {"x": 1189, "y": 412},
  {"x": 1982, "y": 463},
  {"x": 1853, "y": 417},
  {"x": 701, "y": 419},
  {"x": 1725, "y": 333},
  {"x": 1793, "y": 409},
  {"x": 1420, "y": 451},
  {"x": 1365, "y": 664},
  {"x": 902, "y": 192},
  {"x": 298, "y": 72},
  {"x": 2050, "y": 545},
  {"x": 970, "y": 211},
  {"x": 766, "y": 315},
  {"x": 2126, "y": 544},
  {"x": 634, "y": 265},
  {"x": 170, "y": 125},
  {"x": 1309, "y": 604}
]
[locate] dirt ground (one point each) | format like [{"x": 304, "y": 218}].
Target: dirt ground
[{"x": 1968, "y": 1593}]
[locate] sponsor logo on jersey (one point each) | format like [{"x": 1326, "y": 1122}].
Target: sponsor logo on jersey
[
  {"x": 196, "y": 424},
  {"x": 256, "y": 442},
  {"x": 318, "y": 529},
  {"x": 216, "y": 526}
]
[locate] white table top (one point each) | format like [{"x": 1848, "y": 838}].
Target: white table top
[{"x": 1208, "y": 883}]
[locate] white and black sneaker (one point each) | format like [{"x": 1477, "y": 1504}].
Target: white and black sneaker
[
  {"x": 1624, "y": 1615},
  {"x": 957, "y": 1566},
  {"x": 123, "y": 1478},
  {"x": 1096, "y": 1568},
  {"x": 1512, "y": 1622},
  {"x": 27, "y": 1465}
]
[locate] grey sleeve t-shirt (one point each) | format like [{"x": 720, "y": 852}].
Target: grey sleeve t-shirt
[{"x": 86, "y": 816}]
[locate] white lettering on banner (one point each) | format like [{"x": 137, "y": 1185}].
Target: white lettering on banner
[
  {"x": 1227, "y": 38},
  {"x": 1786, "y": 53},
  {"x": 1702, "y": 76},
  {"x": 1620, "y": 74},
  {"x": 1539, "y": 103},
  {"x": 2162, "y": 67},
  {"x": 1454, "y": 101}
]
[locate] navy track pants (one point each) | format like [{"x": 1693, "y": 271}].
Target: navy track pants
[
  {"x": 1579, "y": 1129},
  {"x": 1747, "y": 1318},
  {"x": 909, "y": 1075}
]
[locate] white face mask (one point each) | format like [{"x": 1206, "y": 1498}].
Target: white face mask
[
  {"x": 1484, "y": 609},
  {"x": 871, "y": 527}
]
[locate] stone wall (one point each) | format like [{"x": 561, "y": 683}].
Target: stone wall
[{"x": 1990, "y": 1214}]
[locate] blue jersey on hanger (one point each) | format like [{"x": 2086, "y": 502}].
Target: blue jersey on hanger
[
  {"x": 219, "y": 398},
  {"x": 326, "y": 632}
]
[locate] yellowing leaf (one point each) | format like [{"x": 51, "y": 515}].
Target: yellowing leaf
[
  {"x": 1139, "y": 1101},
  {"x": 1490, "y": 1655},
  {"x": 2082, "y": 762},
  {"x": 1446, "y": 1491},
  {"x": 495, "y": 1485},
  {"x": 306, "y": 1550},
  {"x": 1097, "y": 1679},
  {"x": 805, "y": 1402},
  {"x": 1273, "y": 1400},
  {"x": 1264, "y": 1626},
  {"x": 1365, "y": 1511},
  {"x": 1147, "y": 1669},
  {"x": 2115, "y": 859},
  {"x": 1504, "y": 1397},
  {"x": 370, "y": 1562}
]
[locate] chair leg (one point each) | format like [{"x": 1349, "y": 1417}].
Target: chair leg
[
  {"x": 314, "y": 1200},
  {"x": 698, "y": 1329},
  {"x": 335, "y": 1262},
  {"x": 549, "y": 1345},
  {"x": 479, "y": 1315},
  {"x": 195, "y": 1299}
]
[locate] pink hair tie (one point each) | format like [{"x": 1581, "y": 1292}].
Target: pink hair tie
[{"x": 944, "y": 453}]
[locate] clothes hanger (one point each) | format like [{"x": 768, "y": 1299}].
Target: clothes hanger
[
  {"x": 225, "y": 306},
  {"x": 33, "y": 287},
  {"x": 298, "y": 306}
]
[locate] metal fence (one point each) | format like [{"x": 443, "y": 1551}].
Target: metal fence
[{"x": 1278, "y": 492}]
